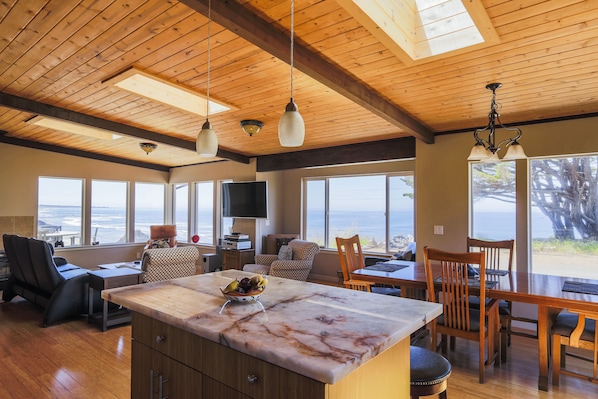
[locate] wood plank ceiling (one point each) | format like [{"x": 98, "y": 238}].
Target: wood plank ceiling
[{"x": 350, "y": 88}]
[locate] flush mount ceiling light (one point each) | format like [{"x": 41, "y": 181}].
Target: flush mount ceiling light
[
  {"x": 251, "y": 126},
  {"x": 206, "y": 144},
  {"x": 148, "y": 147},
  {"x": 291, "y": 128},
  {"x": 487, "y": 150},
  {"x": 154, "y": 88},
  {"x": 73, "y": 127}
]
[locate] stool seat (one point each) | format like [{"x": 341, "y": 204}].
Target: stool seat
[{"x": 429, "y": 373}]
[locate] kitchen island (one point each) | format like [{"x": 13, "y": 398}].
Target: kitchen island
[{"x": 306, "y": 341}]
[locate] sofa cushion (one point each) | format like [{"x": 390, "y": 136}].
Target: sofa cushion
[{"x": 285, "y": 253}]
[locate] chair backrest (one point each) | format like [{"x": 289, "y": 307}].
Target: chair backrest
[
  {"x": 167, "y": 263},
  {"x": 11, "y": 255},
  {"x": 350, "y": 255},
  {"x": 48, "y": 277},
  {"x": 304, "y": 250},
  {"x": 163, "y": 232},
  {"x": 454, "y": 285},
  {"x": 499, "y": 254}
]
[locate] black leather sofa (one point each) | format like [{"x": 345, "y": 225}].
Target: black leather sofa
[{"x": 57, "y": 286}]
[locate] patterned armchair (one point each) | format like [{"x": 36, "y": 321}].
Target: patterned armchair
[
  {"x": 167, "y": 263},
  {"x": 297, "y": 268}
]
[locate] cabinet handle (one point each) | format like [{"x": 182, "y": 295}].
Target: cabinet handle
[
  {"x": 161, "y": 381},
  {"x": 161, "y": 388},
  {"x": 160, "y": 338},
  {"x": 252, "y": 379}
]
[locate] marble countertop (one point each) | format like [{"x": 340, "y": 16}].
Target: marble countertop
[{"x": 319, "y": 331}]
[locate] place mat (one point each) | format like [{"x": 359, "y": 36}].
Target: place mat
[
  {"x": 385, "y": 267},
  {"x": 473, "y": 282},
  {"x": 494, "y": 272},
  {"x": 580, "y": 288}
]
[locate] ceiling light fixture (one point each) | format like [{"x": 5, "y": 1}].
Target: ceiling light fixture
[
  {"x": 251, "y": 126},
  {"x": 73, "y": 127},
  {"x": 207, "y": 141},
  {"x": 148, "y": 147},
  {"x": 154, "y": 88},
  {"x": 487, "y": 150},
  {"x": 291, "y": 128}
]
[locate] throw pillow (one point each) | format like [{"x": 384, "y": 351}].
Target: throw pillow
[
  {"x": 160, "y": 244},
  {"x": 282, "y": 241},
  {"x": 285, "y": 253}
]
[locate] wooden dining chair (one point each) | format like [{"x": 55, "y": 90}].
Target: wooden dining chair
[
  {"x": 576, "y": 329},
  {"x": 499, "y": 256},
  {"x": 458, "y": 319},
  {"x": 351, "y": 259}
]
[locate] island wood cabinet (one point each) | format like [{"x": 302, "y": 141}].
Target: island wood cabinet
[
  {"x": 173, "y": 363},
  {"x": 237, "y": 258}
]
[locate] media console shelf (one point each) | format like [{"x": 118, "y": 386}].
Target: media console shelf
[{"x": 312, "y": 340}]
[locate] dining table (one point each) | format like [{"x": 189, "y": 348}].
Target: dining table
[{"x": 544, "y": 291}]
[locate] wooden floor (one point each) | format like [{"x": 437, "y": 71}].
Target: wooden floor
[{"x": 76, "y": 360}]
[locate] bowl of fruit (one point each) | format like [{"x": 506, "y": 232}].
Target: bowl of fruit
[{"x": 245, "y": 290}]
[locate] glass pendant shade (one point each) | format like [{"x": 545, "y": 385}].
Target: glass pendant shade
[
  {"x": 206, "y": 144},
  {"x": 478, "y": 152},
  {"x": 492, "y": 158},
  {"x": 291, "y": 128},
  {"x": 514, "y": 151}
]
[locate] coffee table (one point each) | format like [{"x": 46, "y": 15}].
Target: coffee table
[
  {"x": 110, "y": 278},
  {"x": 119, "y": 265}
]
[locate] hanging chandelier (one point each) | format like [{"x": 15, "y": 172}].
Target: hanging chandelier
[
  {"x": 487, "y": 150},
  {"x": 206, "y": 144},
  {"x": 291, "y": 128}
]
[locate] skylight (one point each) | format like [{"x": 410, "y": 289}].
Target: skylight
[
  {"x": 154, "y": 88},
  {"x": 419, "y": 29},
  {"x": 73, "y": 127}
]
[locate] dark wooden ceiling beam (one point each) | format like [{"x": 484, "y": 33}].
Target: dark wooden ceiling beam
[
  {"x": 384, "y": 150},
  {"x": 4, "y": 138},
  {"x": 272, "y": 39},
  {"x": 26, "y": 105}
]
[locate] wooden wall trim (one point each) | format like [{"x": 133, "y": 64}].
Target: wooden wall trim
[{"x": 384, "y": 150}]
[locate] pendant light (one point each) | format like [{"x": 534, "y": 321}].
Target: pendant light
[
  {"x": 291, "y": 128},
  {"x": 487, "y": 150},
  {"x": 206, "y": 144}
]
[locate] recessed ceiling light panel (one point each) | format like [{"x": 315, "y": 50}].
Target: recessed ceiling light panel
[{"x": 73, "y": 127}]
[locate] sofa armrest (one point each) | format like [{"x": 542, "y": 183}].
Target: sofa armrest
[
  {"x": 265, "y": 259},
  {"x": 372, "y": 260},
  {"x": 59, "y": 260},
  {"x": 291, "y": 264}
]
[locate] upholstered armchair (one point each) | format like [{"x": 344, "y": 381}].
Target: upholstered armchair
[
  {"x": 294, "y": 264},
  {"x": 167, "y": 263}
]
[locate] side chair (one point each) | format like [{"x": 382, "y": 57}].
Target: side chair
[
  {"x": 446, "y": 272},
  {"x": 499, "y": 257},
  {"x": 351, "y": 258},
  {"x": 576, "y": 329}
]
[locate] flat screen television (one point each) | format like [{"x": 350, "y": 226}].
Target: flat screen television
[{"x": 245, "y": 200}]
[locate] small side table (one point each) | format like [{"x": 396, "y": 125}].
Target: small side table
[{"x": 111, "y": 278}]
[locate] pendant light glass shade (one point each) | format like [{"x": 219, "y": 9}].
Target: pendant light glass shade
[
  {"x": 514, "y": 151},
  {"x": 207, "y": 141},
  {"x": 291, "y": 128}
]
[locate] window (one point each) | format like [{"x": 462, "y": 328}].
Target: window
[
  {"x": 377, "y": 207},
  {"x": 108, "y": 212},
  {"x": 149, "y": 209},
  {"x": 181, "y": 211},
  {"x": 205, "y": 212},
  {"x": 493, "y": 207},
  {"x": 59, "y": 211},
  {"x": 564, "y": 205}
]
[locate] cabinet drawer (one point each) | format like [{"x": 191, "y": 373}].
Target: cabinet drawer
[
  {"x": 168, "y": 340},
  {"x": 256, "y": 378}
]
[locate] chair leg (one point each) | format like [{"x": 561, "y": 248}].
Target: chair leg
[
  {"x": 482, "y": 363},
  {"x": 505, "y": 340},
  {"x": 557, "y": 360}
]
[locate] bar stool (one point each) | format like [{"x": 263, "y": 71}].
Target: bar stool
[{"x": 429, "y": 373}]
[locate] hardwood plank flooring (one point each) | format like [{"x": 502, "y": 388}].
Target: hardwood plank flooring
[{"x": 76, "y": 360}]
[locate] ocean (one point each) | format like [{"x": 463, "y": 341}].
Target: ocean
[{"x": 108, "y": 224}]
